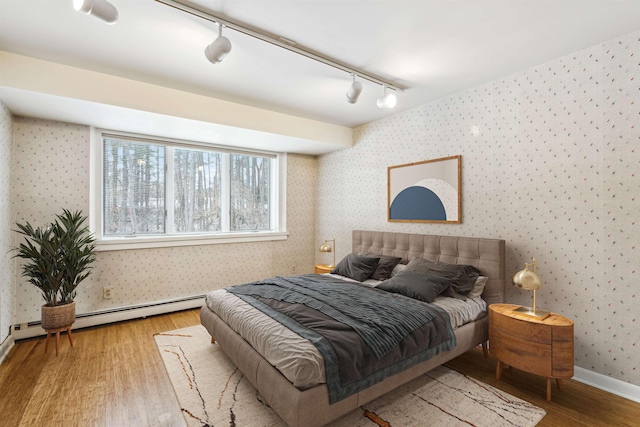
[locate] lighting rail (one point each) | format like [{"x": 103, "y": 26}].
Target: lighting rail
[{"x": 280, "y": 42}]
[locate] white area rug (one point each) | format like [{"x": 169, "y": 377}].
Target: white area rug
[{"x": 212, "y": 392}]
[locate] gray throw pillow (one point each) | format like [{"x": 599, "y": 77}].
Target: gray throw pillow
[
  {"x": 462, "y": 277},
  {"x": 356, "y": 267},
  {"x": 385, "y": 265},
  {"x": 420, "y": 286}
]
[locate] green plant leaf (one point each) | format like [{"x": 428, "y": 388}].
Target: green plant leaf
[{"x": 56, "y": 259}]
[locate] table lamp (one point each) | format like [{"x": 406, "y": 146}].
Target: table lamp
[
  {"x": 529, "y": 279},
  {"x": 329, "y": 246}
]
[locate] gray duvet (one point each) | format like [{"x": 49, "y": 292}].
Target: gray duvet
[{"x": 364, "y": 334}]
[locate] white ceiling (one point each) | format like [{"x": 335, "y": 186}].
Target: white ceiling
[{"x": 431, "y": 48}]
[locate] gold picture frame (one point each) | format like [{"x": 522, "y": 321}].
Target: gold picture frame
[{"x": 427, "y": 191}]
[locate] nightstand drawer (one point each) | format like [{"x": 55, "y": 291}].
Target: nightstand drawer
[
  {"x": 526, "y": 355},
  {"x": 533, "y": 332}
]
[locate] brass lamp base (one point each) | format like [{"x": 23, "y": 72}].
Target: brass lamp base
[{"x": 527, "y": 311}]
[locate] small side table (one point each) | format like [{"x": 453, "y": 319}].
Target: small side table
[
  {"x": 542, "y": 347},
  {"x": 57, "y": 332},
  {"x": 323, "y": 268}
]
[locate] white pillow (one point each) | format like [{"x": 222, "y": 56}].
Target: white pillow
[
  {"x": 478, "y": 287},
  {"x": 398, "y": 268}
]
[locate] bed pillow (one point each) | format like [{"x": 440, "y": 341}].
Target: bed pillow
[
  {"x": 398, "y": 268},
  {"x": 385, "y": 265},
  {"x": 478, "y": 287},
  {"x": 356, "y": 267},
  {"x": 416, "y": 285},
  {"x": 463, "y": 277},
  {"x": 475, "y": 292}
]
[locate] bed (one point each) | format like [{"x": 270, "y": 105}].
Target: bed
[{"x": 315, "y": 404}]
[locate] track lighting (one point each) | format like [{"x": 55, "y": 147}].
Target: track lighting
[
  {"x": 354, "y": 91},
  {"x": 388, "y": 100},
  {"x": 101, "y": 9},
  {"x": 218, "y": 49}
]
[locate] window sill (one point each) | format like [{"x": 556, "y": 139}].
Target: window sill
[{"x": 147, "y": 242}]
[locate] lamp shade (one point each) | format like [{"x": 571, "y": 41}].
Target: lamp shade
[
  {"x": 527, "y": 279},
  {"x": 326, "y": 248},
  {"x": 101, "y": 9},
  {"x": 218, "y": 49}
]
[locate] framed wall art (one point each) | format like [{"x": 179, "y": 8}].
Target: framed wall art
[{"x": 427, "y": 191}]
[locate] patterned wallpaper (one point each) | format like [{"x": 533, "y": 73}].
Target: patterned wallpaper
[
  {"x": 550, "y": 163},
  {"x": 49, "y": 174},
  {"x": 52, "y": 171},
  {"x": 6, "y": 264}
]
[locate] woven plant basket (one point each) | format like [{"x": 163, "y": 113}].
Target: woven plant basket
[{"x": 59, "y": 316}]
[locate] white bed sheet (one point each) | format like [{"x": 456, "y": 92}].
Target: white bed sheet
[{"x": 295, "y": 357}]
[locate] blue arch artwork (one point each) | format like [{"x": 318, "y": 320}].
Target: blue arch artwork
[{"x": 417, "y": 203}]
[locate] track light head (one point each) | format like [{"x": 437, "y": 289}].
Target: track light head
[
  {"x": 387, "y": 100},
  {"x": 101, "y": 9},
  {"x": 354, "y": 91},
  {"x": 218, "y": 49}
]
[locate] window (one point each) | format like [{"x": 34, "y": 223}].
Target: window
[
  {"x": 133, "y": 188},
  {"x": 249, "y": 192},
  {"x": 159, "y": 193},
  {"x": 197, "y": 185}
]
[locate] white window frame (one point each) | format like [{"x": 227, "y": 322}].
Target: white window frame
[{"x": 278, "y": 223}]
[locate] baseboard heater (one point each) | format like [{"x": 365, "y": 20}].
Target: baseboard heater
[{"x": 118, "y": 314}]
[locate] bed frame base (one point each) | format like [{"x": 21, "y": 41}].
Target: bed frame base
[{"x": 311, "y": 407}]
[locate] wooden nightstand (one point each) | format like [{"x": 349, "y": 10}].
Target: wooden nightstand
[
  {"x": 322, "y": 268},
  {"x": 541, "y": 347}
]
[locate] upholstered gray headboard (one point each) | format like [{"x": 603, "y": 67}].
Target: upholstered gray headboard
[{"x": 485, "y": 254}]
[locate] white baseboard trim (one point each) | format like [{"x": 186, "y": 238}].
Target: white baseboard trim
[
  {"x": 606, "y": 383},
  {"x": 6, "y": 347},
  {"x": 33, "y": 329}
]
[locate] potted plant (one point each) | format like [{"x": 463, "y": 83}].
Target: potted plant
[{"x": 57, "y": 258}]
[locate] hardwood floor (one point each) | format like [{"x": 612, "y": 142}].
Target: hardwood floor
[
  {"x": 577, "y": 404},
  {"x": 113, "y": 376}
]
